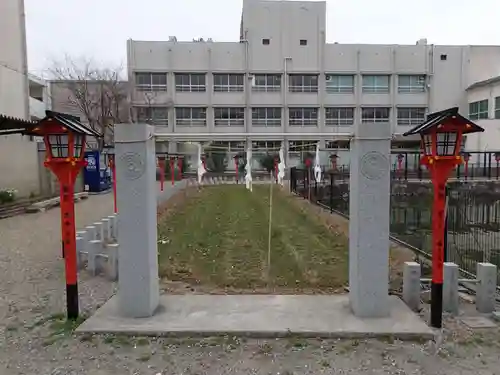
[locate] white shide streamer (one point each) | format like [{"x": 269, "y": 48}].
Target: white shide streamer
[
  {"x": 317, "y": 165},
  {"x": 248, "y": 169},
  {"x": 201, "y": 167}
]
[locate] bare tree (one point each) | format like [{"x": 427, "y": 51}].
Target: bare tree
[{"x": 98, "y": 94}]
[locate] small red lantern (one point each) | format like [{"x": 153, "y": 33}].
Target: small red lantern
[
  {"x": 179, "y": 166},
  {"x": 161, "y": 165},
  {"x": 172, "y": 169},
  {"x": 400, "y": 158},
  {"x": 276, "y": 162},
  {"x": 111, "y": 165},
  {"x": 236, "y": 165},
  {"x": 497, "y": 159},
  {"x": 441, "y": 136}
]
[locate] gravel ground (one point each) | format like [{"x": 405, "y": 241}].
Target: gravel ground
[{"x": 34, "y": 339}]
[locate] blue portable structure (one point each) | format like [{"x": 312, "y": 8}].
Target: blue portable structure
[{"x": 96, "y": 176}]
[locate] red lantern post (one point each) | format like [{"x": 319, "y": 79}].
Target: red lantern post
[
  {"x": 497, "y": 159},
  {"x": 64, "y": 138},
  {"x": 179, "y": 166},
  {"x": 276, "y": 162},
  {"x": 172, "y": 169},
  {"x": 441, "y": 139},
  {"x": 400, "y": 164},
  {"x": 111, "y": 164},
  {"x": 161, "y": 165},
  {"x": 236, "y": 165}
]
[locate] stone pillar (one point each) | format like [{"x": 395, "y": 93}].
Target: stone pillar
[
  {"x": 369, "y": 200},
  {"x": 138, "y": 282}
]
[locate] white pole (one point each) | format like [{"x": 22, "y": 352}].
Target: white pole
[{"x": 270, "y": 228}]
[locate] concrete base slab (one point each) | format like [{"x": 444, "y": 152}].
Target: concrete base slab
[
  {"x": 259, "y": 316},
  {"x": 496, "y": 316},
  {"x": 478, "y": 322}
]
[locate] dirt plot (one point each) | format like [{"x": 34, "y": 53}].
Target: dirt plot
[{"x": 217, "y": 241}]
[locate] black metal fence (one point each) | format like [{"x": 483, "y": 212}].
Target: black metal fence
[
  {"x": 406, "y": 166},
  {"x": 473, "y": 213}
]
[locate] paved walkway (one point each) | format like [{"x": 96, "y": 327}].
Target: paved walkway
[{"x": 31, "y": 343}]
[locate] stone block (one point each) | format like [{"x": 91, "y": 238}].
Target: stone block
[
  {"x": 105, "y": 230},
  {"x": 98, "y": 231},
  {"x": 113, "y": 262},
  {"x": 486, "y": 288},
  {"x": 450, "y": 288},
  {"x": 94, "y": 247},
  {"x": 91, "y": 232},
  {"x": 80, "y": 252},
  {"x": 411, "y": 285}
]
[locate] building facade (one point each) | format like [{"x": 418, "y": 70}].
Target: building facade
[
  {"x": 19, "y": 164},
  {"x": 281, "y": 82}
]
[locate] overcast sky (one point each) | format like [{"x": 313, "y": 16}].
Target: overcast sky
[{"x": 100, "y": 28}]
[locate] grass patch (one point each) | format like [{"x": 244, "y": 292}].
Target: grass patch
[{"x": 219, "y": 238}]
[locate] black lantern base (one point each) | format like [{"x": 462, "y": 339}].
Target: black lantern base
[
  {"x": 72, "y": 301},
  {"x": 436, "y": 305}
]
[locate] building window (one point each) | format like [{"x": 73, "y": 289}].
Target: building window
[
  {"x": 303, "y": 42},
  {"x": 229, "y": 146},
  {"x": 478, "y": 110},
  {"x": 497, "y": 107},
  {"x": 151, "y": 81},
  {"x": 190, "y": 82},
  {"x": 339, "y": 116},
  {"x": 303, "y": 83},
  {"x": 266, "y": 116},
  {"x": 444, "y": 57},
  {"x": 411, "y": 116},
  {"x": 301, "y": 146},
  {"x": 228, "y": 82},
  {"x": 376, "y": 84},
  {"x": 303, "y": 116},
  {"x": 266, "y": 145},
  {"x": 411, "y": 84},
  {"x": 266, "y": 42},
  {"x": 229, "y": 116},
  {"x": 266, "y": 82},
  {"x": 152, "y": 115},
  {"x": 375, "y": 114},
  {"x": 191, "y": 116},
  {"x": 339, "y": 84}
]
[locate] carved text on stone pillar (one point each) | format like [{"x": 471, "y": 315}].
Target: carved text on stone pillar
[
  {"x": 135, "y": 165},
  {"x": 373, "y": 165}
]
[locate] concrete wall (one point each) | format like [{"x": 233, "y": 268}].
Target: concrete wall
[
  {"x": 489, "y": 140},
  {"x": 18, "y": 155}
]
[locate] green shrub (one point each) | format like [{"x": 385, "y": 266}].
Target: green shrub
[
  {"x": 7, "y": 195},
  {"x": 216, "y": 160},
  {"x": 267, "y": 162}
]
